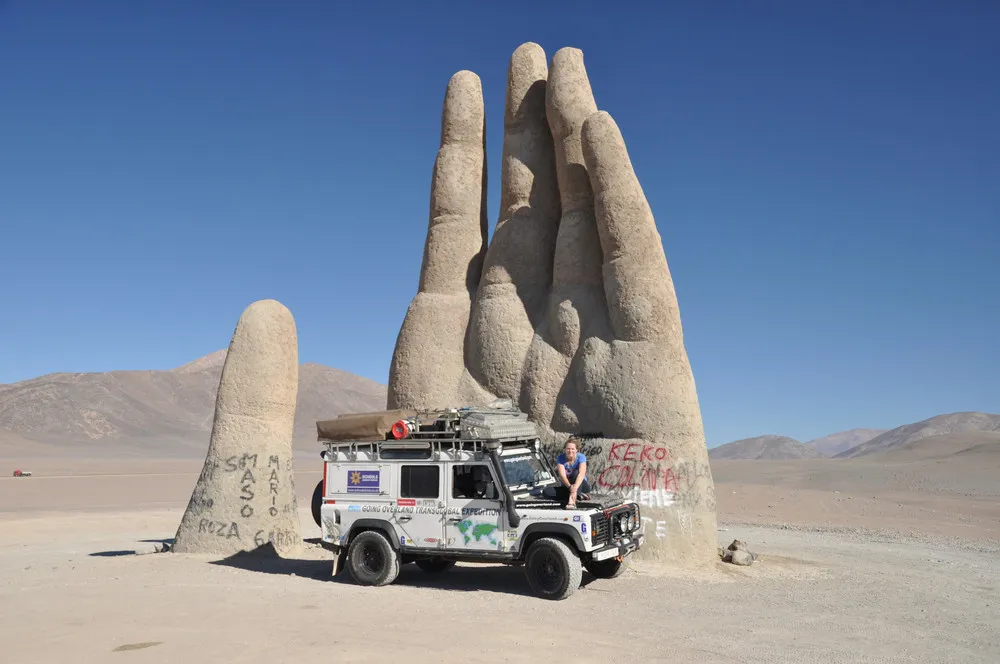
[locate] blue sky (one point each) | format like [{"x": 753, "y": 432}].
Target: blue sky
[{"x": 824, "y": 177}]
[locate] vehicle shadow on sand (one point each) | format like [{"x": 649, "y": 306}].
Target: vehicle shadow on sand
[{"x": 462, "y": 578}]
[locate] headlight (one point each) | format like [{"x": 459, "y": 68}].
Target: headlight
[{"x": 631, "y": 522}]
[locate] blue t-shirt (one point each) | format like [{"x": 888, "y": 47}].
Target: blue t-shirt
[{"x": 571, "y": 468}]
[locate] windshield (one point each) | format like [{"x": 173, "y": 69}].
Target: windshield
[{"x": 524, "y": 471}]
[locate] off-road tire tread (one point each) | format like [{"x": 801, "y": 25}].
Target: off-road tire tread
[
  {"x": 389, "y": 572},
  {"x": 569, "y": 559}
]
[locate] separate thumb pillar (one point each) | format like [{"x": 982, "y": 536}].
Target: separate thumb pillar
[{"x": 245, "y": 496}]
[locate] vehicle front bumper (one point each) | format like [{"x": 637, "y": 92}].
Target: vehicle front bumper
[{"x": 618, "y": 548}]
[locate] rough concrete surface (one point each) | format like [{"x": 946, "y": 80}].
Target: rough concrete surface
[
  {"x": 569, "y": 310},
  {"x": 245, "y": 495}
]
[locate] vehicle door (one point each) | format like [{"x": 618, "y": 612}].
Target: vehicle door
[
  {"x": 474, "y": 520},
  {"x": 419, "y": 505}
]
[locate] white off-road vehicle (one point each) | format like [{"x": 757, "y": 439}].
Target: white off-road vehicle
[{"x": 434, "y": 488}]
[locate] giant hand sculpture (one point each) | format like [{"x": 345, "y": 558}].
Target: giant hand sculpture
[{"x": 570, "y": 311}]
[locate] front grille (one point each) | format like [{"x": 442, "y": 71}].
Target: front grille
[{"x": 599, "y": 529}]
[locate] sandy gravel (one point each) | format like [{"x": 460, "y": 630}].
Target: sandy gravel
[{"x": 823, "y": 590}]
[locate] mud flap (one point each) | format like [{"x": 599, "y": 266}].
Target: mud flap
[{"x": 339, "y": 558}]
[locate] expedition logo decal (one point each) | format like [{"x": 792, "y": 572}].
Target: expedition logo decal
[
  {"x": 477, "y": 531},
  {"x": 363, "y": 481}
]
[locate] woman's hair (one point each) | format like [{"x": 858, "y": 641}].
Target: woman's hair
[{"x": 572, "y": 439}]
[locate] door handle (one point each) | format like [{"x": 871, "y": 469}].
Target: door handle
[
  {"x": 455, "y": 519},
  {"x": 404, "y": 518}
]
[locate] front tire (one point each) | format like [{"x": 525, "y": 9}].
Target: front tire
[
  {"x": 372, "y": 560},
  {"x": 554, "y": 570},
  {"x": 605, "y": 569},
  {"x": 434, "y": 565}
]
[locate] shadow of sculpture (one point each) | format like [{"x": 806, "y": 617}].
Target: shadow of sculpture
[{"x": 266, "y": 560}]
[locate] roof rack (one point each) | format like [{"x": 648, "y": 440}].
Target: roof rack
[
  {"x": 394, "y": 449},
  {"x": 498, "y": 422}
]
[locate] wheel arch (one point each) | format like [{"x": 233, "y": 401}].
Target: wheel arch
[
  {"x": 562, "y": 531},
  {"x": 361, "y": 525}
]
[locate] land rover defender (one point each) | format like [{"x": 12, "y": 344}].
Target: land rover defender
[{"x": 466, "y": 484}]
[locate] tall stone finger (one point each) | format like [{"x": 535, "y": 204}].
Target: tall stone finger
[
  {"x": 245, "y": 496},
  {"x": 642, "y": 304},
  {"x": 576, "y": 299},
  {"x": 517, "y": 272},
  {"x": 457, "y": 232},
  {"x": 569, "y": 102},
  {"x": 428, "y": 360}
]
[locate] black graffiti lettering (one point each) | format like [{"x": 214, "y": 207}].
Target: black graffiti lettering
[
  {"x": 258, "y": 540},
  {"x": 231, "y": 464},
  {"x": 248, "y": 477},
  {"x": 247, "y": 492},
  {"x": 274, "y": 489},
  {"x": 273, "y": 477},
  {"x": 273, "y": 460},
  {"x": 273, "y": 511},
  {"x": 204, "y": 526},
  {"x": 234, "y": 531},
  {"x": 247, "y": 459},
  {"x": 246, "y": 511}
]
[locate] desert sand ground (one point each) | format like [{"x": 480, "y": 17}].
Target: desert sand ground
[{"x": 859, "y": 562}]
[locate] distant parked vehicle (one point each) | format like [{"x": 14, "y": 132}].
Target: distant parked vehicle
[{"x": 22, "y": 473}]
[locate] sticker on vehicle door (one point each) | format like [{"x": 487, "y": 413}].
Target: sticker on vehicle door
[{"x": 363, "y": 481}]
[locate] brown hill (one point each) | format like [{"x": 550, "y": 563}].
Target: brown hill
[
  {"x": 975, "y": 447},
  {"x": 836, "y": 443},
  {"x": 763, "y": 447},
  {"x": 155, "y": 413},
  {"x": 952, "y": 423}
]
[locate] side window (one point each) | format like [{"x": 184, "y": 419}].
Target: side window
[
  {"x": 473, "y": 481},
  {"x": 419, "y": 482}
]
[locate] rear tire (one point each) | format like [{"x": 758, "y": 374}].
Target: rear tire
[
  {"x": 554, "y": 570},
  {"x": 434, "y": 565},
  {"x": 372, "y": 560},
  {"x": 605, "y": 569},
  {"x": 317, "y": 502}
]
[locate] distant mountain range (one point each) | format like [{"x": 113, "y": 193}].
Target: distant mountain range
[
  {"x": 836, "y": 443},
  {"x": 149, "y": 413},
  {"x": 169, "y": 413},
  {"x": 764, "y": 447},
  {"x": 954, "y": 423},
  {"x": 968, "y": 426}
]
